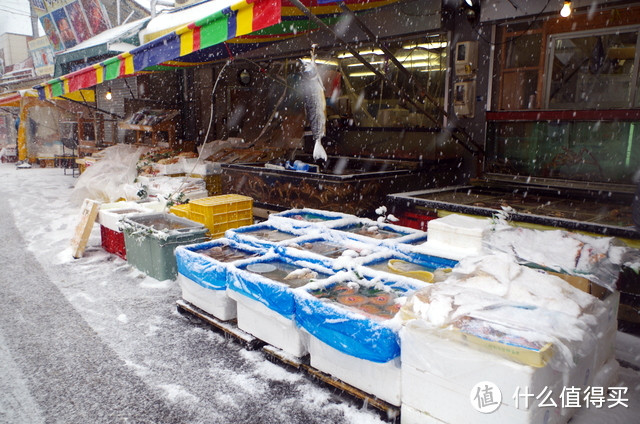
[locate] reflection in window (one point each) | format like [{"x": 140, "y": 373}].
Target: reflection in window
[
  {"x": 374, "y": 103},
  {"x": 585, "y": 151},
  {"x": 592, "y": 71}
]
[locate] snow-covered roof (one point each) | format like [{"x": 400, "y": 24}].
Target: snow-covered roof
[
  {"x": 171, "y": 19},
  {"x": 113, "y": 34}
]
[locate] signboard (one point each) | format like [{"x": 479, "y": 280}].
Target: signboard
[
  {"x": 42, "y": 54},
  {"x": 70, "y": 22}
]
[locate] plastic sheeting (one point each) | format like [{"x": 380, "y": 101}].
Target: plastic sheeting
[
  {"x": 492, "y": 298},
  {"x": 106, "y": 180},
  {"x": 598, "y": 258},
  {"x": 277, "y": 296}
]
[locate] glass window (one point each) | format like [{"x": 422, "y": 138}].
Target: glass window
[{"x": 592, "y": 71}]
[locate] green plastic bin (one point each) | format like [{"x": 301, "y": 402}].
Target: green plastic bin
[{"x": 151, "y": 239}]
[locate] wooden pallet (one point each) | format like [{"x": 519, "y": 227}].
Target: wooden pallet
[
  {"x": 227, "y": 327},
  {"x": 390, "y": 412}
]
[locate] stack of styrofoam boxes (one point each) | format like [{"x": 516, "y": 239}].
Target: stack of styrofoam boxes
[
  {"x": 439, "y": 371},
  {"x": 266, "y": 308},
  {"x": 350, "y": 345},
  {"x": 455, "y": 236},
  {"x": 109, "y": 218},
  {"x": 439, "y": 374},
  {"x": 210, "y": 172},
  {"x": 203, "y": 278},
  {"x": 604, "y": 367}
]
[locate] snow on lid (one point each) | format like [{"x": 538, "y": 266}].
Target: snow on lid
[{"x": 462, "y": 222}]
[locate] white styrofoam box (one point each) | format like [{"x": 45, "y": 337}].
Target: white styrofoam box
[
  {"x": 110, "y": 217},
  {"x": 607, "y": 375},
  {"x": 214, "y": 302},
  {"x": 379, "y": 379},
  {"x": 200, "y": 167},
  {"x": 455, "y": 236},
  {"x": 269, "y": 326},
  {"x": 448, "y": 405},
  {"x": 410, "y": 415},
  {"x": 169, "y": 169},
  {"x": 607, "y": 328},
  {"x": 306, "y": 217},
  {"x": 462, "y": 367},
  {"x": 606, "y": 348}
]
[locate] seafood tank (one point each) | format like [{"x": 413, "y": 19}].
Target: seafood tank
[
  {"x": 286, "y": 273},
  {"x": 344, "y": 184},
  {"x": 598, "y": 208},
  {"x": 369, "y": 300}
]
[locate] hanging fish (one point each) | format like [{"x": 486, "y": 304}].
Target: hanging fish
[{"x": 315, "y": 106}]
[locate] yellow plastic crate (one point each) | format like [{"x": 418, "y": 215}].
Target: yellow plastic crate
[
  {"x": 183, "y": 211},
  {"x": 220, "y": 213}
]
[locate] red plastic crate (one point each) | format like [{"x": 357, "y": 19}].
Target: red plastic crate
[
  {"x": 113, "y": 242},
  {"x": 418, "y": 221}
]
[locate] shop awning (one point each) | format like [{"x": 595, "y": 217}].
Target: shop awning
[
  {"x": 227, "y": 19},
  {"x": 230, "y": 28},
  {"x": 13, "y": 98}
]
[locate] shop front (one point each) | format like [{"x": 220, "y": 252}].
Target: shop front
[{"x": 562, "y": 143}]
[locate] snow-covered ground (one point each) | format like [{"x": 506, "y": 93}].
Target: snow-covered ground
[{"x": 192, "y": 367}]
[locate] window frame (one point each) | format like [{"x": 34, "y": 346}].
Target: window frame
[{"x": 550, "y": 53}]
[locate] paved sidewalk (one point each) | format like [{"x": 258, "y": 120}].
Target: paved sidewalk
[{"x": 53, "y": 367}]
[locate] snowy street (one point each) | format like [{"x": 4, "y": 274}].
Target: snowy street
[{"x": 93, "y": 340}]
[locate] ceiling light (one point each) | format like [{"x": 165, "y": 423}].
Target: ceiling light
[{"x": 566, "y": 9}]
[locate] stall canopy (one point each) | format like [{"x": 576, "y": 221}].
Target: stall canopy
[
  {"x": 27, "y": 99},
  {"x": 229, "y": 27}
]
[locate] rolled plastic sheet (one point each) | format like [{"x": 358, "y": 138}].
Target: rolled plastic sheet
[
  {"x": 270, "y": 234},
  {"x": 205, "y": 270},
  {"x": 276, "y": 295}
]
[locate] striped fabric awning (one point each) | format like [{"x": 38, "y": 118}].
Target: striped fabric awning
[
  {"x": 242, "y": 18},
  {"x": 293, "y": 24}
]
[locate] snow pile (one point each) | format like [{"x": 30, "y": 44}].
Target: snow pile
[
  {"x": 597, "y": 258},
  {"x": 530, "y": 307}
]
